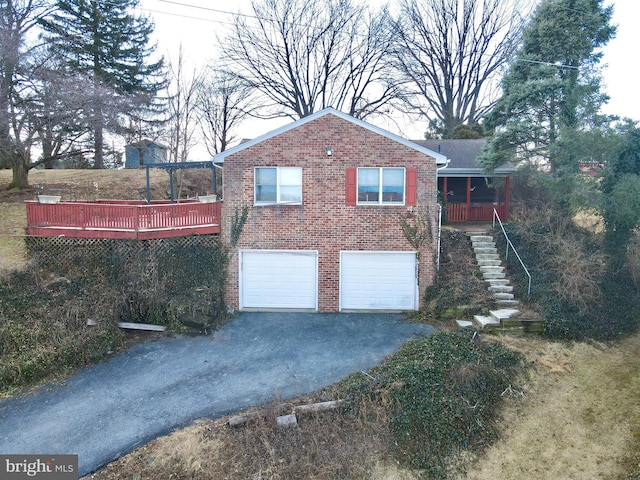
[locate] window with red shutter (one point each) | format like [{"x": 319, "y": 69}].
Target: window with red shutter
[
  {"x": 411, "y": 195},
  {"x": 380, "y": 185},
  {"x": 352, "y": 182}
]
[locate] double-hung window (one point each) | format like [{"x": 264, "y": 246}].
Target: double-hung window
[
  {"x": 277, "y": 185},
  {"x": 381, "y": 186}
]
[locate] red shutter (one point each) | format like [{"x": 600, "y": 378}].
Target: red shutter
[
  {"x": 412, "y": 187},
  {"x": 352, "y": 180}
]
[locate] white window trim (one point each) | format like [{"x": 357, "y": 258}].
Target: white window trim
[
  {"x": 380, "y": 202},
  {"x": 277, "y": 201}
]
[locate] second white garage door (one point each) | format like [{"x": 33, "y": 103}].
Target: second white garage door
[
  {"x": 378, "y": 281},
  {"x": 278, "y": 279}
]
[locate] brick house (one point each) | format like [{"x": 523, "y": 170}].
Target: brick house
[{"x": 325, "y": 197}]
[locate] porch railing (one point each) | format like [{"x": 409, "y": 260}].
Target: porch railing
[
  {"x": 510, "y": 245},
  {"x": 481, "y": 212}
]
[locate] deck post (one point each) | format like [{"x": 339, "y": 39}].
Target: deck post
[
  {"x": 148, "y": 187},
  {"x": 171, "y": 170}
]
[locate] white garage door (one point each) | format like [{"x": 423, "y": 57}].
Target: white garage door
[
  {"x": 278, "y": 279},
  {"x": 378, "y": 281}
]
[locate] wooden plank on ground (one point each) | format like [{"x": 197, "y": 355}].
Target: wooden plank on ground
[{"x": 142, "y": 326}]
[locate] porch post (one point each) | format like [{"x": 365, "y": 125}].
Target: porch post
[
  {"x": 468, "y": 197},
  {"x": 506, "y": 198}
]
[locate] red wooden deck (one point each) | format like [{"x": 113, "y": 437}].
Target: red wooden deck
[{"x": 122, "y": 219}]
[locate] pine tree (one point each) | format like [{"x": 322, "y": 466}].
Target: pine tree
[
  {"x": 104, "y": 41},
  {"x": 553, "y": 87}
]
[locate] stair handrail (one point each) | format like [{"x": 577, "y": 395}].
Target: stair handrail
[{"x": 509, "y": 244}]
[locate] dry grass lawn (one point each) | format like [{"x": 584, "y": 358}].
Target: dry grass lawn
[{"x": 579, "y": 417}]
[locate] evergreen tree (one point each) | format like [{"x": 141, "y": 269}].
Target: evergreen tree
[
  {"x": 552, "y": 89},
  {"x": 104, "y": 41}
]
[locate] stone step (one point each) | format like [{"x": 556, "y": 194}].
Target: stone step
[
  {"x": 500, "y": 288},
  {"x": 493, "y": 275},
  {"x": 484, "y": 320},
  {"x": 508, "y": 303},
  {"x": 493, "y": 282},
  {"x": 485, "y": 250},
  {"x": 464, "y": 323},
  {"x": 504, "y": 313},
  {"x": 487, "y": 256},
  {"x": 481, "y": 238},
  {"x": 503, "y": 296},
  {"x": 477, "y": 245},
  {"x": 491, "y": 269},
  {"x": 489, "y": 262}
]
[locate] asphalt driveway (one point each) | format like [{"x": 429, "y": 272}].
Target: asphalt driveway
[{"x": 106, "y": 410}]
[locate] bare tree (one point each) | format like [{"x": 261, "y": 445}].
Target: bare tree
[
  {"x": 223, "y": 102},
  {"x": 58, "y": 109},
  {"x": 18, "y": 132},
  {"x": 451, "y": 53},
  {"x": 183, "y": 104},
  {"x": 302, "y": 56}
]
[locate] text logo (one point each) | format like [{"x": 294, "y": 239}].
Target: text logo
[{"x": 49, "y": 467}]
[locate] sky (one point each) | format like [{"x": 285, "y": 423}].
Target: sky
[{"x": 194, "y": 24}]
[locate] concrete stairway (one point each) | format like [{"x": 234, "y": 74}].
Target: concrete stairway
[
  {"x": 492, "y": 270},
  {"x": 506, "y": 318}
]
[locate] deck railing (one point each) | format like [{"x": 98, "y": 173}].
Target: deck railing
[{"x": 122, "y": 219}]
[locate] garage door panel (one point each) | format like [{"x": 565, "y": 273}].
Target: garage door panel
[
  {"x": 378, "y": 281},
  {"x": 278, "y": 280}
]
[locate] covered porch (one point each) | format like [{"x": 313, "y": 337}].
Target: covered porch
[
  {"x": 467, "y": 192},
  {"x": 473, "y": 198}
]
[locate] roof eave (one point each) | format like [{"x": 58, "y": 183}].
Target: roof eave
[{"x": 439, "y": 158}]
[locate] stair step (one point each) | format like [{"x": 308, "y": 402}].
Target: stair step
[
  {"x": 464, "y": 323},
  {"x": 481, "y": 238},
  {"x": 504, "y": 313},
  {"x": 503, "y": 296},
  {"x": 523, "y": 321},
  {"x": 494, "y": 282},
  {"x": 481, "y": 250},
  {"x": 487, "y": 256},
  {"x": 491, "y": 269},
  {"x": 484, "y": 320},
  {"x": 508, "y": 303},
  {"x": 483, "y": 243},
  {"x": 494, "y": 275},
  {"x": 500, "y": 288},
  {"x": 489, "y": 262}
]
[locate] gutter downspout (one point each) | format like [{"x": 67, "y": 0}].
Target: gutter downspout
[{"x": 440, "y": 218}]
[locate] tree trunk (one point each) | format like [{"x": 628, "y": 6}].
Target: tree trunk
[
  {"x": 20, "y": 174},
  {"x": 99, "y": 144}
]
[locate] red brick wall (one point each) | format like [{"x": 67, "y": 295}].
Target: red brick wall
[{"x": 324, "y": 222}]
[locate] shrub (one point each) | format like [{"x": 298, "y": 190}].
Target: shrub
[
  {"x": 574, "y": 285},
  {"x": 443, "y": 392},
  {"x": 44, "y": 311}
]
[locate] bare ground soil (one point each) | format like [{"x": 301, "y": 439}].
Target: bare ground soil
[{"x": 575, "y": 416}]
